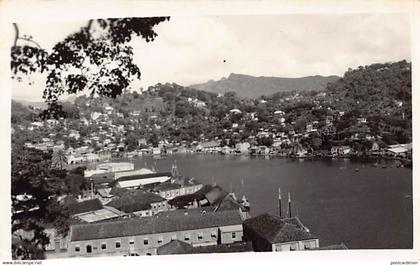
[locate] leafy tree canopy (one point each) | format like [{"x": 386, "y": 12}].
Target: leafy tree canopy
[
  {"x": 97, "y": 58},
  {"x": 36, "y": 186}
]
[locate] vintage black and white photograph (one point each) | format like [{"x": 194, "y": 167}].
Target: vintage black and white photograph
[{"x": 191, "y": 134}]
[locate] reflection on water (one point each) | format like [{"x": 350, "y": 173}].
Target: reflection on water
[{"x": 362, "y": 205}]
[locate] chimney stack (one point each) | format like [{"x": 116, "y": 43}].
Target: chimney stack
[
  {"x": 290, "y": 206},
  {"x": 280, "y": 203}
]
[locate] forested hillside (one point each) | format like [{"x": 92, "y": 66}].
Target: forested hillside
[
  {"x": 379, "y": 92},
  {"x": 252, "y": 87}
]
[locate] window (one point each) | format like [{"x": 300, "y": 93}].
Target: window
[
  {"x": 233, "y": 235},
  {"x": 187, "y": 237},
  {"x": 88, "y": 249},
  {"x": 145, "y": 241},
  {"x": 103, "y": 245},
  {"x": 292, "y": 247},
  {"x": 160, "y": 239},
  {"x": 200, "y": 236},
  {"x": 77, "y": 248},
  {"x": 131, "y": 242},
  {"x": 214, "y": 234},
  {"x": 117, "y": 244}
]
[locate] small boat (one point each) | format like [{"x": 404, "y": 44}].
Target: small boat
[{"x": 357, "y": 169}]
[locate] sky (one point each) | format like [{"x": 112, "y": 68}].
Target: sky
[{"x": 195, "y": 49}]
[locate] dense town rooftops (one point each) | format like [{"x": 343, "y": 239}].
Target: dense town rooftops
[
  {"x": 153, "y": 225},
  {"x": 277, "y": 230}
]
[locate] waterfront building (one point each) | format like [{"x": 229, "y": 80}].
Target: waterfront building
[
  {"x": 399, "y": 150},
  {"x": 110, "y": 167},
  {"x": 142, "y": 236},
  {"x": 210, "y": 146},
  {"x": 142, "y": 171},
  {"x": 272, "y": 233},
  {"x": 177, "y": 187},
  {"x": 137, "y": 181},
  {"x": 242, "y": 148},
  {"x": 213, "y": 199},
  {"x": 156, "y": 151},
  {"x": 340, "y": 150}
]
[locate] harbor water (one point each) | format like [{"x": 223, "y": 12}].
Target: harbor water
[{"x": 363, "y": 205}]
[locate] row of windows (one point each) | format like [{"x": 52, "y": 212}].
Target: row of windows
[
  {"x": 187, "y": 237},
  {"x": 159, "y": 205},
  {"x": 177, "y": 192}
]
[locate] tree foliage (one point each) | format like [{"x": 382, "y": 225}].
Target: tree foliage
[
  {"x": 36, "y": 186},
  {"x": 97, "y": 58}
]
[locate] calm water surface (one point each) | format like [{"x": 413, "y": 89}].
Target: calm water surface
[{"x": 339, "y": 200}]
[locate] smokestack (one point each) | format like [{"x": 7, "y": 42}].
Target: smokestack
[
  {"x": 280, "y": 203},
  {"x": 290, "y": 206}
]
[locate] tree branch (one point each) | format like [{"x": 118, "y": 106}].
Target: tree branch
[
  {"x": 34, "y": 42},
  {"x": 16, "y": 34}
]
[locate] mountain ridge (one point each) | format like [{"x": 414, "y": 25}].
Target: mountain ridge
[{"x": 248, "y": 86}]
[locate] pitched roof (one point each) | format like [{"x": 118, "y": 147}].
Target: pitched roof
[
  {"x": 183, "y": 200},
  {"x": 180, "y": 247},
  {"x": 174, "y": 247},
  {"x": 145, "y": 176},
  {"x": 84, "y": 206},
  {"x": 224, "y": 248},
  {"x": 228, "y": 203},
  {"x": 135, "y": 201},
  {"x": 153, "y": 225},
  {"x": 216, "y": 194},
  {"x": 277, "y": 230}
]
